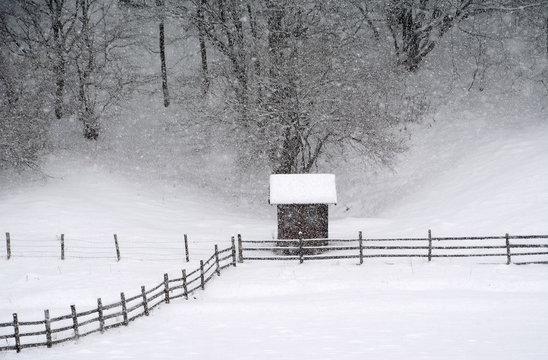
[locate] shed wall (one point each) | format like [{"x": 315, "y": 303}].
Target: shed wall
[{"x": 310, "y": 219}]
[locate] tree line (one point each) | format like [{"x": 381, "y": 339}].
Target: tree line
[{"x": 295, "y": 82}]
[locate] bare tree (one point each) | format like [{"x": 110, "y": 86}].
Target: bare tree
[
  {"x": 291, "y": 96},
  {"x": 102, "y": 74},
  {"x": 417, "y": 25},
  {"x": 74, "y": 44},
  {"x": 44, "y": 31},
  {"x": 23, "y": 128}
]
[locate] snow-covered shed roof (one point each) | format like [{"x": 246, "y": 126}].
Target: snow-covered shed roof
[{"x": 303, "y": 189}]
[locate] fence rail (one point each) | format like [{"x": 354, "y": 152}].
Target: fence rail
[
  {"x": 18, "y": 335},
  {"x": 527, "y": 248}
]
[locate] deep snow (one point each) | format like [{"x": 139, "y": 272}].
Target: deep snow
[{"x": 411, "y": 310}]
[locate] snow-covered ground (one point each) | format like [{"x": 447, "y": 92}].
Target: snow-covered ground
[
  {"x": 397, "y": 309},
  {"x": 411, "y": 310}
]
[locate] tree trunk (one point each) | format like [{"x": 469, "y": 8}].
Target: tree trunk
[
  {"x": 59, "y": 70},
  {"x": 235, "y": 43},
  {"x": 87, "y": 109},
  {"x": 283, "y": 99},
  {"x": 59, "y": 65},
  {"x": 254, "y": 34},
  {"x": 203, "y": 51},
  {"x": 160, "y": 4}
]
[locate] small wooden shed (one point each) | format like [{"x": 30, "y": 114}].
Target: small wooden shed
[{"x": 302, "y": 201}]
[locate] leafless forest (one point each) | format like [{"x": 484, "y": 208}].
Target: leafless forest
[{"x": 282, "y": 85}]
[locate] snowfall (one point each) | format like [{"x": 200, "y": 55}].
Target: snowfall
[{"x": 463, "y": 175}]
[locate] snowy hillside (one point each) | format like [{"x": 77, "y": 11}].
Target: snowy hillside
[
  {"x": 478, "y": 170},
  {"x": 454, "y": 180},
  {"x": 495, "y": 183},
  {"x": 475, "y": 171}
]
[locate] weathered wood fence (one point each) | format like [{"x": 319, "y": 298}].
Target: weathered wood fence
[
  {"x": 49, "y": 331},
  {"x": 524, "y": 248},
  {"x": 64, "y": 247},
  {"x": 17, "y": 335}
]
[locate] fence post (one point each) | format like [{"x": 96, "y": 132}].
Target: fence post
[
  {"x": 429, "y": 245},
  {"x": 166, "y": 288},
  {"x": 217, "y": 269},
  {"x": 16, "y": 333},
  {"x": 124, "y": 307},
  {"x": 202, "y": 274},
  {"x": 8, "y": 245},
  {"x": 75, "y": 322},
  {"x": 301, "y": 254},
  {"x": 508, "y": 255},
  {"x": 62, "y": 246},
  {"x": 48, "y": 328},
  {"x": 100, "y": 312},
  {"x": 186, "y": 249},
  {"x": 117, "y": 247},
  {"x": 361, "y": 247},
  {"x": 145, "y": 304},
  {"x": 184, "y": 284},
  {"x": 233, "y": 251},
  {"x": 240, "y": 249}
]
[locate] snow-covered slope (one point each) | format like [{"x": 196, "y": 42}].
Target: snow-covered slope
[
  {"x": 498, "y": 186},
  {"x": 481, "y": 169},
  {"x": 92, "y": 202},
  {"x": 501, "y": 185}
]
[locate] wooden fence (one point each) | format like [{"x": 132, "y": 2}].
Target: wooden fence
[
  {"x": 70, "y": 247},
  {"x": 54, "y": 330},
  {"x": 526, "y": 248},
  {"x": 19, "y": 335}
]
